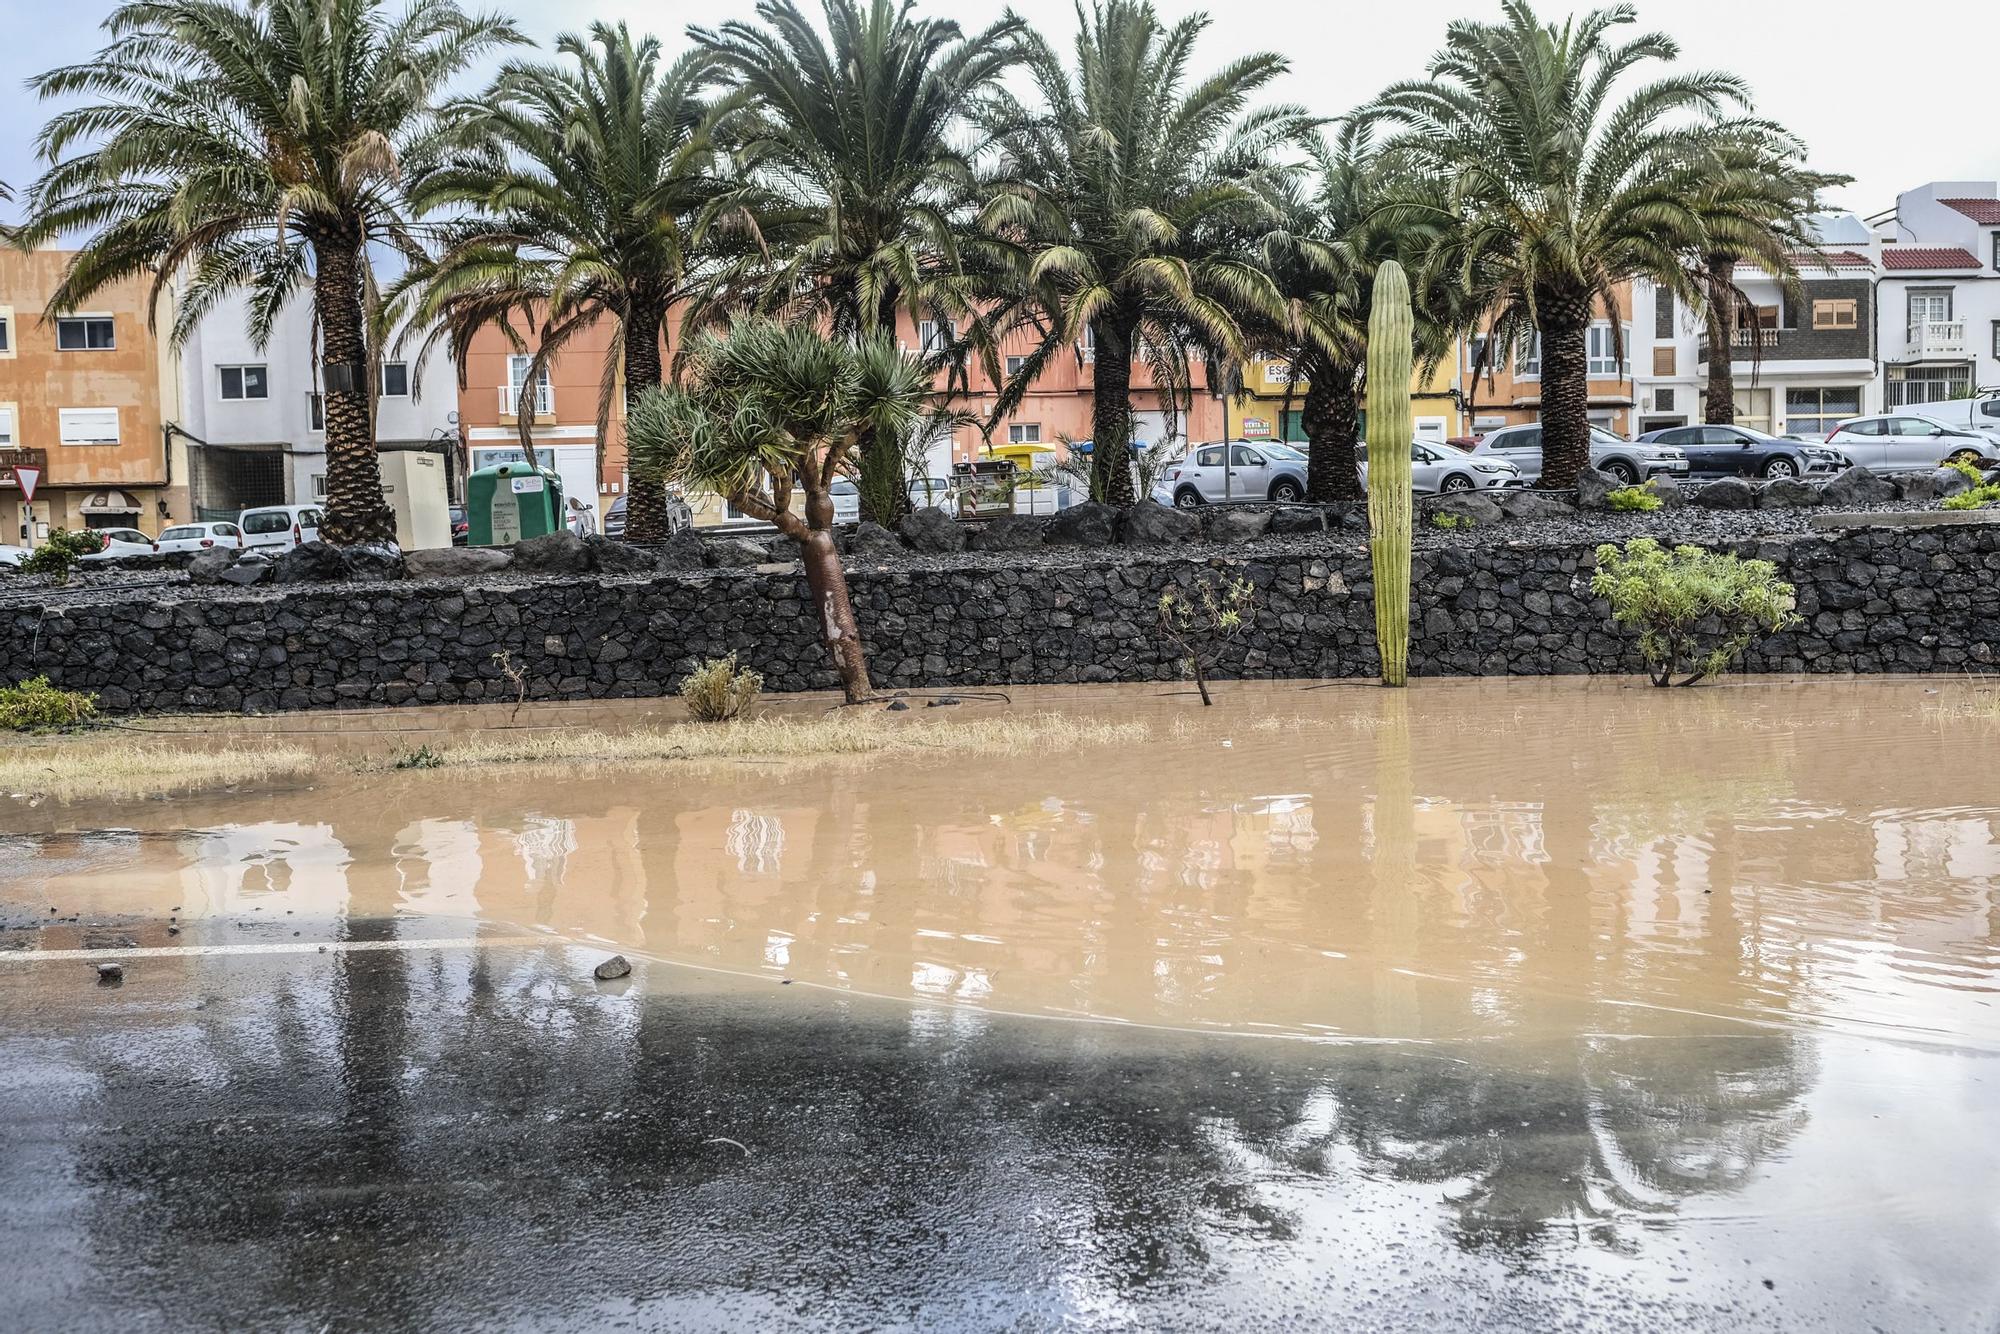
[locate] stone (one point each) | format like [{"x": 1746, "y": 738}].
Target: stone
[
  {"x": 898, "y": 706},
  {"x": 609, "y": 556},
  {"x": 932, "y": 531},
  {"x": 1521, "y": 503},
  {"x": 560, "y": 552},
  {"x": 1090, "y": 524},
  {"x": 682, "y": 551},
  {"x": 1236, "y": 524},
  {"x": 1303, "y": 520},
  {"x": 942, "y": 702},
  {"x": 1151, "y": 524},
  {"x": 1593, "y": 489},
  {"x": 1933, "y": 485},
  {"x": 1727, "y": 493},
  {"x": 373, "y": 562},
  {"x": 207, "y": 566},
  {"x": 1787, "y": 493},
  {"x": 311, "y": 563},
  {"x": 1482, "y": 510},
  {"x": 250, "y": 568},
  {"x": 1673, "y": 496},
  {"x": 455, "y": 562},
  {"x": 871, "y": 541},
  {"x": 612, "y": 969},
  {"x": 1858, "y": 486},
  {"x": 110, "y": 973},
  {"x": 1009, "y": 532},
  {"x": 735, "y": 552}
]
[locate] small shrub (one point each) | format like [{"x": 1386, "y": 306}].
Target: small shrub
[
  {"x": 1968, "y": 470},
  {"x": 1695, "y": 610},
  {"x": 1978, "y": 498},
  {"x": 423, "y": 757},
  {"x": 1450, "y": 521},
  {"x": 59, "y": 554},
  {"x": 36, "y": 706},
  {"x": 1200, "y": 620},
  {"x": 1633, "y": 499},
  {"x": 719, "y": 690}
]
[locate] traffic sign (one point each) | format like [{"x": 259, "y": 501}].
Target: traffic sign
[{"x": 29, "y": 478}]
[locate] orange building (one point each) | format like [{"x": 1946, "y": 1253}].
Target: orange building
[
  {"x": 1512, "y": 393},
  {"x": 84, "y": 398}
]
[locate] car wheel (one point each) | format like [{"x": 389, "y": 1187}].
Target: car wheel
[
  {"x": 1780, "y": 470},
  {"x": 1286, "y": 492},
  {"x": 1187, "y": 498},
  {"x": 1626, "y": 474},
  {"x": 1455, "y": 483},
  {"x": 1965, "y": 456}
]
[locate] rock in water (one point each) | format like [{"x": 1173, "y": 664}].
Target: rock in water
[
  {"x": 612, "y": 969},
  {"x": 111, "y": 973}
]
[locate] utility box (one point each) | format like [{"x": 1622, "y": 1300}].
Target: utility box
[
  {"x": 511, "y": 501},
  {"x": 413, "y": 485}
]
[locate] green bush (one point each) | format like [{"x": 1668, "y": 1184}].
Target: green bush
[
  {"x": 1695, "y": 610},
  {"x": 1968, "y": 470},
  {"x": 1978, "y": 498},
  {"x": 57, "y": 556},
  {"x": 423, "y": 757},
  {"x": 1633, "y": 499},
  {"x": 36, "y": 706},
  {"x": 719, "y": 690},
  {"x": 1453, "y": 521}
]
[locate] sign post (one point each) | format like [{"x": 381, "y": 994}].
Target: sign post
[{"x": 29, "y": 478}]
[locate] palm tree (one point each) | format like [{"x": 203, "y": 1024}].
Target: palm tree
[
  {"x": 258, "y": 144},
  {"x": 593, "y": 188},
  {"x": 859, "y": 142},
  {"x": 770, "y": 409},
  {"x": 1559, "y": 194},
  {"x": 1757, "y": 201},
  {"x": 6, "y": 232},
  {"x": 1120, "y": 189}
]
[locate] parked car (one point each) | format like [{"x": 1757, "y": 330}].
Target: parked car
[
  {"x": 934, "y": 492},
  {"x": 846, "y": 501},
  {"x": 461, "y": 525},
  {"x": 1629, "y": 462},
  {"x": 1980, "y": 413},
  {"x": 1437, "y": 469},
  {"x": 1219, "y": 472},
  {"x": 122, "y": 544},
  {"x": 12, "y": 555},
  {"x": 1899, "y": 442},
  {"x": 679, "y": 517},
  {"x": 279, "y": 527},
  {"x": 189, "y": 538},
  {"x": 1739, "y": 451}
]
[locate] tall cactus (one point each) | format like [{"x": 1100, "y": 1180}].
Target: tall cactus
[{"x": 1390, "y": 434}]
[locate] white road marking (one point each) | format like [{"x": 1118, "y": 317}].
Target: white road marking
[{"x": 279, "y": 947}]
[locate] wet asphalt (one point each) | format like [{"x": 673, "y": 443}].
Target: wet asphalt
[{"x": 406, "y": 1136}]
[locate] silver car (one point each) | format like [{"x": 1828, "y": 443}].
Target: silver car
[
  {"x": 1440, "y": 470},
  {"x": 1631, "y": 462},
  {"x": 1220, "y": 472},
  {"x": 1901, "y": 442}
]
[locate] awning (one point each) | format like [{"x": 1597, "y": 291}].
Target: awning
[{"x": 109, "y": 502}]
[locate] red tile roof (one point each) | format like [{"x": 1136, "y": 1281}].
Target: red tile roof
[
  {"x": 1983, "y": 211},
  {"x": 1928, "y": 257},
  {"x": 1837, "y": 259}
]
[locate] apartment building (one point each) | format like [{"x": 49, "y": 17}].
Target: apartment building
[
  {"x": 1270, "y": 403},
  {"x": 84, "y": 398},
  {"x": 1508, "y": 391},
  {"x": 563, "y": 421},
  {"x": 1939, "y": 318},
  {"x": 254, "y": 420}
]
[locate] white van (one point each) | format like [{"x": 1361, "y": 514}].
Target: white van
[
  {"x": 279, "y": 527},
  {"x": 1980, "y": 413}
]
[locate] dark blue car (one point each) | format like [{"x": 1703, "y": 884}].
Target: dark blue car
[{"x": 1739, "y": 451}]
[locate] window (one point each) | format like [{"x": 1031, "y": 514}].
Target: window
[
  {"x": 240, "y": 382},
  {"x": 1996, "y": 340},
  {"x": 1024, "y": 433},
  {"x": 1873, "y": 426},
  {"x": 1664, "y": 399},
  {"x": 1929, "y": 306},
  {"x": 1818, "y": 411},
  {"x": 1529, "y": 437},
  {"x": 1089, "y": 343},
  {"x": 1475, "y": 353},
  {"x": 7, "y": 440},
  {"x": 1604, "y": 361},
  {"x": 517, "y": 379},
  {"x": 1528, "y": 358},
  {"x": 316, "y": 411},
  {"x": 1996, "y": 251},
  {"x": 319, "y": 486},
  {"x": 935, "y": 335},
  {"x": 1209, "y": 458},
  {"x": 6, "y": 332},
  {"x": 1663, "y": 312},
  {"x": 1014, "y": 365},
  {"x": 395, "y": 379},
  {"x": 1242, "y": 456},
  {"x": 88, "y": 426},
  {"x": 1927, "y": 384},
  {"x": 1836, "y": 314},
  {"x": 77, "y": 333}
]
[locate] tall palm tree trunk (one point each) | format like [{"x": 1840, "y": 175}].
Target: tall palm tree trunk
[
  {"x": 885, "y": 491},
  {"x": 1564, "y": 323},
  {"x": 1111, "y": 415},
  {"x": 1719, "y": 401},
  {"x": 355, "y": 511},
  {"x": 645, "y": 488},
  {"x": 1332, "y": 424}
]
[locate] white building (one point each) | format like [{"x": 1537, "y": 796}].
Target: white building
[
  {"x": 254, "y": 416},
  {"x": 1939, "y": 320}
]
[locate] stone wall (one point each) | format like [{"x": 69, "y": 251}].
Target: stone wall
[{"x": 1873, "y": 601}]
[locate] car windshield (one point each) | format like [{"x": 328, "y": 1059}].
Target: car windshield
[
  {"x": 269, "y": 521},
  {"x": 843, "y": 487},
  {"x": 178, "y": 534},
  {"x": 1600, "y": 436},
  {"x": 1285, "y": 452}
]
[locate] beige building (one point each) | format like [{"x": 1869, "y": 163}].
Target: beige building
[{"x": 85, "y": 398}]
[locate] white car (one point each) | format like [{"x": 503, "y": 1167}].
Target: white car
[
  {"x": 1901, "y": 442},
  {"x": 846, "y": 500},
  {"x": 122, "y": 544},
  {"x": 12, "y": 555},
  {"x": 1631, "y": 462},
  {"x": 188, "y": 538},
  {"x": 1440, "y": 470},
  {"x": 1220, "y": 472},
  {"x": 279, "y": 527}
]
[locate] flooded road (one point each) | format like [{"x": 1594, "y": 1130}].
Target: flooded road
[{"x": 1599, "y": 1004}]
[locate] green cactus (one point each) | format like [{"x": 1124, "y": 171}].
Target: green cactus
[{"x": 1390, "y": 432}]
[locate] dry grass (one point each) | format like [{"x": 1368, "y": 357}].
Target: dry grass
[
  {"x": 1983, "y": 706},
  {"x": 112, "y": 767},
  {"x": 797, "y": 740}
]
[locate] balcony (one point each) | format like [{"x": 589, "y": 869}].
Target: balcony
[
  {"x": 1936, "y": 340},
  {"x": 510, "y": 401}
]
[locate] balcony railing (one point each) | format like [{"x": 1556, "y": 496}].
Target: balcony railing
[
  {"x": 1934, "y": 339},
  {"x": 510, "y": 400}
]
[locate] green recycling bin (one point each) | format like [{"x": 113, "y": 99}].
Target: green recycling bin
[{"x": 510, "y": 501}]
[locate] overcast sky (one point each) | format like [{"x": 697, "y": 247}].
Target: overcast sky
[{"x": 1892, "y": 95}]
